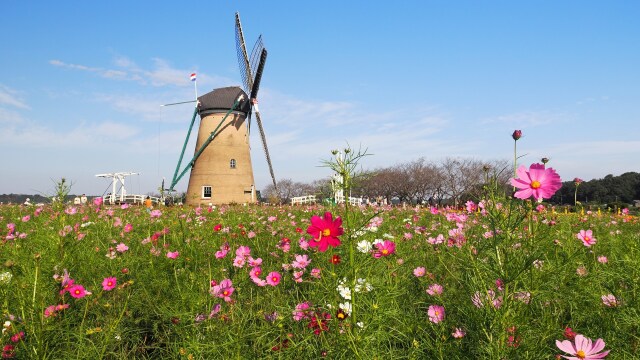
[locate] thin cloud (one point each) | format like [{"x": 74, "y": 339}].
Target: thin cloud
[
  {"x": 527, "y": 119},
  {"x": 160, "y": 74},
  {"x": 10, "y": 97}
]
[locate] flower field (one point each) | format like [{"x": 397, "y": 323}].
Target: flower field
[{"x": 500, "y": 279}]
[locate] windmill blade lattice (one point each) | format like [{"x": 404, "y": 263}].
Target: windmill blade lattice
[{"x": 251, "y": 81}]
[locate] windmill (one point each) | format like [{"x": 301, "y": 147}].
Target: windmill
[{"x": 221, "y": 170}]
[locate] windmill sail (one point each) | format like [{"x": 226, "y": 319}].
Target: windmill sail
[{"x": 251, "y": 82}]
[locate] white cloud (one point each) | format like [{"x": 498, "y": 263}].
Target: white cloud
[{"x": 10, "y": 97}]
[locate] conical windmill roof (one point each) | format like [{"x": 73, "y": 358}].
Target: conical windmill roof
[{"x": 223, "y": 99}]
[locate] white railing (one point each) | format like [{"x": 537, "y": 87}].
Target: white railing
[
  {"x": 130, "y": 199},
  {"x": 352, "y": 200},
  {"x": 300, "y": 200}
]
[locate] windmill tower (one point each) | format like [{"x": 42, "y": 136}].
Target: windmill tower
[{"x": 221, "y": 169}]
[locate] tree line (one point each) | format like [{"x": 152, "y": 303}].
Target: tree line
[
  {"x": 453, "y": 181},
  {"x": 620, "y": 191},
  {"x": 449, "y": 181}
]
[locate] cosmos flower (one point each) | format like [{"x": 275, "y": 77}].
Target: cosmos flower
[
  {"x": 78, "y": 291},
  {"x": 301, "y": 261},
  {"x": 586, "y": 237},
  {"x": 274, "y": 278},
  {"x": 109, "y": 283},
  {"x": 517, "y": 134},
  {"x": 582, "y": 349},
  {"x": 538, "y": 182},
  {"x": 436, "y": 313},
  {"x": 325, "y": 231},
  {"x": 385, "y": 248}
]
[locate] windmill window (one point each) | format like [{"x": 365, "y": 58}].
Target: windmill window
[
  {"x": 232, "y": 163},
  {"x": 206, "y": 192}
]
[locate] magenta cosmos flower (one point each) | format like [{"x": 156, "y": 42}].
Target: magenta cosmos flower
[
  {"x": 538, "y": 182},
  {"x": 385, "y": 248},
  {"x": 109, "y": 283},
  {"x": 325, "y": 231},
  {"x": 586, "y": 237},
  {"x": 582, "y": 349},
  {"x": 78, "y": 291}
]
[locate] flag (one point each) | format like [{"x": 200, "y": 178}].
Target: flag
[{"x": 193, "y": 77}]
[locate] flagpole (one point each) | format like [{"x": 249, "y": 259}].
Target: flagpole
[{"x": 195, "y": 86}]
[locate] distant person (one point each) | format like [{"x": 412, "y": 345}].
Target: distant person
[
  {"x": 83, "y": 199},
  {"x": 148, "y": 204},
  {"x": 76, "y": 200},
  {"x": 27, "y": 202}
]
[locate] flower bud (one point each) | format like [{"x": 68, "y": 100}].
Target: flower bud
[{"x": 517, "y": 134}]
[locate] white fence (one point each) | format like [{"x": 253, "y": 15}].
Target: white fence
[
  {"x": 300, "y": 200},
  {"x": 352, "y": 200},
  {"x": 130, "y": 199}
]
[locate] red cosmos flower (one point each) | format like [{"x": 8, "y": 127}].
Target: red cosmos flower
[
  {"x": 335, "y": 259},
  {"x": 325, "y": 231},
  {"x": 318, "y": 322},
  {"x": 569, "y": 333},
  {"x": 217, "y": 227}
]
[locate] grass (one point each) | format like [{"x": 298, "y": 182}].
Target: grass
[{"x": 526, "y": 275}]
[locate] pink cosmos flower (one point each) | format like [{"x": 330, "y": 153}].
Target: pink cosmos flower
[
  {"x": 419, "y": 271},
  {"x": 258, "y": 281},
  {"x": 173, "y": 254},
  {"x": 223, "y": 290},
  {"x": 97, "y": 201},
  {"x": 434, "y": 289},
  {"x": 109, "y": 283},
  {"x": 586, "y": 237},
  {"x": 50, "y": 311},
  {"x": 254, "y": 262},
  {"x": 385, "y": 248},
  {"x": 325, "y": 231},
  {"x": 602, "y": 259},
  {"x": 156, "y": 213},
  {"x": 78, "y": 291},
  {"x": 436, "y": 313},
  {"x": 471, "y": 206},
  {"x": 274, "y": 278},
  {"x": 316, "y": 273},
  {"x": 239, "y": 262},
  {"x": 243, "y": 251},
  {"x": 538, "y": 182},
  {"x": 128, "y": 227},
  {"x": 301, "y": 261},
  {"x": 300, "y": 311},
  {"x": 122, "y": 247},
  {"x": 609, "y": 300},
  {"x": 582, "y": 349},
  {"x": 255, "y": 272},
  {"x": 458, "y": 333},
  {"x": 216, "y": 309}
]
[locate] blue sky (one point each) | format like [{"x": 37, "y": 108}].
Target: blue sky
[{"x": 81, "y": 84}]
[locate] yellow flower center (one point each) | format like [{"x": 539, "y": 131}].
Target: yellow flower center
[
  {"x": 580, "y": 354},
  {"x": 326, "y": 232},
  {"x": 385, "y": 251},
  {"x": 535, "y": 184},
  {"x": 225, "y": 293}
]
